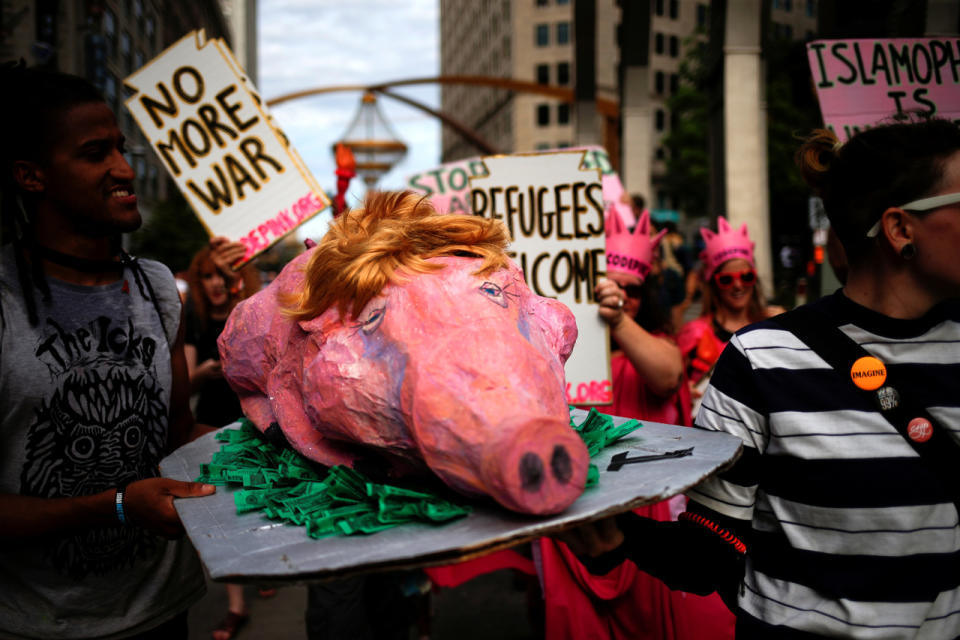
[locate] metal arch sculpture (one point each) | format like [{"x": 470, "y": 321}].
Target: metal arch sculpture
[{"x": 609, "y": 109}]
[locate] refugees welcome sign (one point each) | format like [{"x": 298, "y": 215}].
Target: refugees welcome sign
[
  {"x": 554, "y": 210},
  {"x": 209, "y": 127},
  {"x": 448, "y": 186},
  {"x": 863, "y": 82}
]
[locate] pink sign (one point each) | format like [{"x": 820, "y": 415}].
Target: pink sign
[{"x": 861, "y": 83}]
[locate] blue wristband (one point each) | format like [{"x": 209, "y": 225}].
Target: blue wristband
[{"x": 118, "y": 501}]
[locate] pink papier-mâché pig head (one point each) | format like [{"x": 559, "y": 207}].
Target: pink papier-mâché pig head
[{"x": 412, "y": 334}]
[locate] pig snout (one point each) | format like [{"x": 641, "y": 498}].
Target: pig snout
[
  {"x": 540, "y": 469},
  {"x": 497, "y": 430},
  {"x": 524, "y": 456}
]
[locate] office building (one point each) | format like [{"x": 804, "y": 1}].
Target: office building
[{"x": 533, "y": 40}]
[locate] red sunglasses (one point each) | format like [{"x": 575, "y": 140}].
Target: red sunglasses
[{"x": 725, "y": 280}]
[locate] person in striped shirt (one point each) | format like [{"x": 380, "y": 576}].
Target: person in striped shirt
[{"x": 830, "y": 524}]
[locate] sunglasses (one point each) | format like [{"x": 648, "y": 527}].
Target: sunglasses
[
  {"x": 923, "y": 204},
  {"x": 633, "y": 291},
  {"x": 725, "y": 280}
]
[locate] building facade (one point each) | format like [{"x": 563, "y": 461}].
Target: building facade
[{"x": 533, "y": 40}]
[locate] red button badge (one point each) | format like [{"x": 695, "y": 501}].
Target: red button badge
[{"x": 920, "y": 430}]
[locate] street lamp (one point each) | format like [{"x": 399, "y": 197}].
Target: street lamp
[{"x": 375, "y": 146}]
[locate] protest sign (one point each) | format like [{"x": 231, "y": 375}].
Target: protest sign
[
  {"x": 863, "y": 82},
  {"x": 449, "y": 189},
  {"x": 207, "y": 124},
  {"x": 448, "y": 185},
  {"x": 554, "y": 211}
]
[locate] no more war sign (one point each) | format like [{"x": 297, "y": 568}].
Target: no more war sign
[
  {"x": 554, "y": 211},
  {"x": 236, "y": 169}
]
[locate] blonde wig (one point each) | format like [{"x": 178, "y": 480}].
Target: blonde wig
[{"x": 396, "y": 232}]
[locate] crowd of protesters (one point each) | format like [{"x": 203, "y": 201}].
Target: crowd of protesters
[{"x": 839, "y": 519}]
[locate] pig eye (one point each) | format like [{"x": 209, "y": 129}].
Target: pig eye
[
  {"x": 370, "y": 323},
  {"x": 494, "y": 293}
]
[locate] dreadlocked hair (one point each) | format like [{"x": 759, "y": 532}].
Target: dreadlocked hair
[
  {"x": 30, "y": 129},
  {"x": 395, "y": 233}
]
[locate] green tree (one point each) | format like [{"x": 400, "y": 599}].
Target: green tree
[
  {"x": 687, "y": 143},
  {"x": 792, "y": 113}
]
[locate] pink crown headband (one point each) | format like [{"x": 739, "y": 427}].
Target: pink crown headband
[
  {"x": 725, "y": 244},
  {"x": 630, "y": 253}
]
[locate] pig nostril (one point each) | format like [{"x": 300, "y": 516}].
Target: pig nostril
[
  {"x": 561, "y": 464},
  {"x": 531, "y": 472}
]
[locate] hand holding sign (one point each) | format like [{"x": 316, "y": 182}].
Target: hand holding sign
[
  {"x": 226, "y": 254},
  {"x": 235, "y": 168}
]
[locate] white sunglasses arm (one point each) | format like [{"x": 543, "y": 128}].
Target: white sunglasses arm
[{"x": 923, "y": 204}]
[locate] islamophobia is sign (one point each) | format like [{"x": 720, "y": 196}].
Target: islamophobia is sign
[
  {"x": 863, "y": 82},
  {"x": 554, "y": 211},
  {"x": 210, "y": 128}
]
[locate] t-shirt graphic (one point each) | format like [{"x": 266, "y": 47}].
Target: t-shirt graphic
[{"x": 102, "y": 427}]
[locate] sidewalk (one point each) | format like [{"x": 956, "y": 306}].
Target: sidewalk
[
  {"x": 489, "y": 606},
  {"x": 278, "y": 617}
]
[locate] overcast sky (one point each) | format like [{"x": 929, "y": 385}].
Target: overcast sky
[{"x": 312, "y": 43}]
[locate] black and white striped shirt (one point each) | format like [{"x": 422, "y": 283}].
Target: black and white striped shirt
[{"x": 850, "y": 534}]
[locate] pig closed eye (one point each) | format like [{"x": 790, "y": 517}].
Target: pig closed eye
[
  {"x": 494, "y": 293},
  {"x": 370, "y": 324}
]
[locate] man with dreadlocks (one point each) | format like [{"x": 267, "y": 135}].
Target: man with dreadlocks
[{"x": 93, "y": 382}]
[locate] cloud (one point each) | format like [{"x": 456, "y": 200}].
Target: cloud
[{"x": 312, "y": 43}]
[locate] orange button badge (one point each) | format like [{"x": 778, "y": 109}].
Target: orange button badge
[
  {"x": 920, "y": 430},
  {"x": 868, "y": 373}
]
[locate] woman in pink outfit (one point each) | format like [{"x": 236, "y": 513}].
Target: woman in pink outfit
[{"x": 732, "y": 299}]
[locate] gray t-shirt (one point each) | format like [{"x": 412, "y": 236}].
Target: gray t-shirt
[{"x": 84, "y": 406}]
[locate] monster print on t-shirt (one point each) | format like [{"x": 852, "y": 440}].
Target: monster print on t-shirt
[{"x": 103, "y": 426}]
